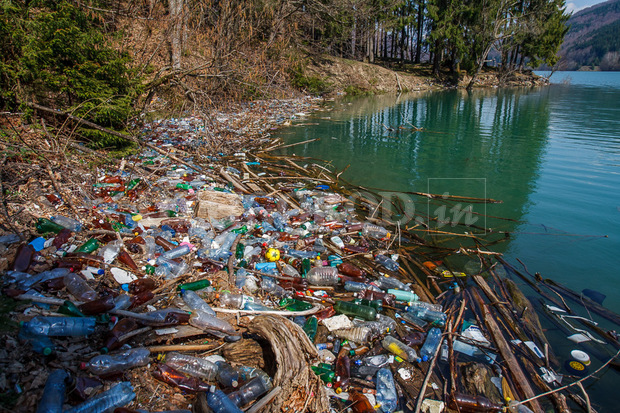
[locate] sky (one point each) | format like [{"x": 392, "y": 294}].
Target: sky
[{"x": 576, "y": 5}]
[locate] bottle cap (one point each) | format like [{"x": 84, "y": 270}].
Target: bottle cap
[
  {"x": 47, "y": 351},
  {"x": 424, "y": 358},
  {"x": 82, "y": 366},
  {"x": 104, "y": 350}
]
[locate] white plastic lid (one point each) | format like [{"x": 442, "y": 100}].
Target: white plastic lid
[{"x": 580, "y": 356}]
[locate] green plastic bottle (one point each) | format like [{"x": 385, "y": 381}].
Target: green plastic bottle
[
  {"x": 186, "y": 187},
  {"x": 355, "y": 310},
  {"x": 239, "y": 251},
  {"x": 305, "y": 267},
  {"x": 401, "y": 295},
  {"x": 133, "y": 183},
  {"x": 310, "y": 327},
  {"x": 194, "y": 286},
  {"x": 376, "y": 304},
  {"x": 292, "y": 304},
  {"x": 89, "y": 246},
  {"x": 44, "y": 225}
]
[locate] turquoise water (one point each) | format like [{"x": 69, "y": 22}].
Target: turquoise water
[{"x": 551, "y": 154}]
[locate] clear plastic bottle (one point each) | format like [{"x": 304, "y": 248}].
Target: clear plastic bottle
[
  {"x": 220, "y": 403},
  {"x": 337, "y": 241},
  {"x": 247, "y": 373},
  {"x": 151, "y": 247},
  {"x": 165, "y": 317},
  {"x": 354, "y": 286},
  {"x": 117, "y": 396},
  {"x": 379, "y": 360},
  {"x": 269, "y": 285},
  {"x": 250, "y": 391},
  {"x": 386, "y": 391},
  {"x": 400, "y": 349},
  {"x": 433, "y": 338},
  {"x": 412, "y": 319},
  {"x": 170, "y": 269},
  {"x": 194, "y": 302},
  {"x": 54, "y": 392},
  {"x": 436, "y": 318},
  {"x": 226, "y": 375},
  {"x": 60, "y": 326},
  {"x": 79, "y": 288},
  {"x": 387, "y": 262},
  {"x": 323, "y": 276},
  {"x": 382, "y": 325},
  {"x": 69, "y": 223},
  {"x": 387, "y": 283},
  {"x": 177, "y": 252},
  {"x": 204, "y": 321},
  {"x": 110, "y": 251},
  {"x": 192, "y": 366},
  {"x": 355, "y": 310},
  {"x": 360, "y": 335},
  {"x": 109, "y": 364},
  {"x": 421, "y": 304},
  {"x": 375, "y": 231}
]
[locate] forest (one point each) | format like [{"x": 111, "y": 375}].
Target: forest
[{"x": 105, "y": 59}]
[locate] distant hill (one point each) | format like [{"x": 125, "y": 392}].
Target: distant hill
[{"x": 593, "y": 38}]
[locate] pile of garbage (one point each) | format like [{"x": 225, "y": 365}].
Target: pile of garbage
[{"x": 190, "y": 283}]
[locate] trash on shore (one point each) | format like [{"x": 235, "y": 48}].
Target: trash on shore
[{"x": 247, "y": 281}]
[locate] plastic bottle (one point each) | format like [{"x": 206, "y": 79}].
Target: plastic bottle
[
  {"x": 79, "y": 288},
  {"x": 169, "y": 268},
  {"x": 205, "y": 321},
  {"x": 44, "y": 226},
  {"x": 337, "y": 241},
  {"x": 412, "y": 319},
  {"x": 354, "y": 286},
  {"x": 376, "y": 304},
  {"x": 117, "y": 396},
  {"x": 194, "y": 302},
  {"x": 60, "y": 326},
  {"x": 473, "y": 404},
  {"x": 89, "y": 246},
  {"x": 234, "y": 300},
  {"x": 359, "y": 335},
  {"x": 270, "y": 286},
  {"x": 380, "y": 326},
  {"x": 343, "y": 373},
  {"x": 226, "y": 375},
  {"x": 323, "y": 276},
  {"x": 388, "y": 263},
  {"x": 69, "y": 223},
  {"x": 23, "y": 258},
  {"x": 325, "y": 374},
  {"x": 177, "y": 252},
  {"x": 375, "y": 231},
  {"x": 110, "y": 364},
  {"x": 386, "y": 391},
  {"x": 250, "y": 391},
  {"x": 387, "y": 283},
  {"x": 98, "y": 306},
  {"x": 351, "y": 270},
  {"x": 406, "y": 296},
  {"x": 220, "y": 403},
  {"x": 40, "y": 344},
  {"x": 436, "y": 318},
  {"x": 165, "y": 317},
  {"x": 171, "y": 376},
  {"x": 192, "y": 366},
  {"x": 388, "y": 299},
  {"x": 400, "y": 349},
  {"x": 140, "y": 285},
  {"x": 310, "y": 327},
  {"x": 421, "y": 304},
  {"x": 355, "y": 310},
  {"x": 433, "y": 338},
  {"x": 151, "y": 247},
  {"x": 247, "y": 373},
  {"x": 54, "y": 392}
]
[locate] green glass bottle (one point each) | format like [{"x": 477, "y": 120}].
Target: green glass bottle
[
  {"x": 149, "y": 269},
  {"x": 310, "y": 327},
  {"x": 239, "y": 251},
  {"x": 133, "y": 183},
  {"x": 186, "y": 187},
  {"x": 355, "y": 310},
  {"x": 241, "y": 230},
  {"x": 194, "y": 286},
  {"x": 327, "y": 375},
  {"x": 305, "y": 267},
  {"x": 89, "y": 246},
  {"x": 44, "y": 225},
  {"x": 70, "y": 309}
]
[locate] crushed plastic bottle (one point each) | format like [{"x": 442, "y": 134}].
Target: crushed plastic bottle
[
  {"x": 60, "y": 326},
  {"x": 192, "y": 366},
  {"x": 118, "y": 396},
  {"x": 220, "y": 403},
  {"x": 386, "y": 391},
  {"x": 194, "y": 302},
  {"x": 54, "y": 392},
  {"x": 249, "y": 392},
  {"x": 79, "y": 288},
  {"x": 110, "y": 364}
]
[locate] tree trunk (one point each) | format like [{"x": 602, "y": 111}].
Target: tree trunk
[
  {"x": 176, "y": 37},
  {"x": 353, "y": 35},
  {"x": 418, "y": 46}
]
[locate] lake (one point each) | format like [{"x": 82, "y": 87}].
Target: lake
[{"x": 551, "y": 154}]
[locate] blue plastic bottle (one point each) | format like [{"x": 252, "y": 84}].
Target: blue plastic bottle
[
  {"x": 433, "y": 337},
  {"x": 54, "y": 392},
  {"x": 117, "y": 396},
  {"x": 220, "y": 403},
  {"x": 39, "y": 343},
  {"x": 386, "y": 391},
  {"x": 60, "y": 326}
]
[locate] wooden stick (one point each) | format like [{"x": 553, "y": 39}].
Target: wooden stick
[
  {"x": 418, "y": 404},
  {"x": 181, "y": 347},
  {"x": 256, "y": 407}
]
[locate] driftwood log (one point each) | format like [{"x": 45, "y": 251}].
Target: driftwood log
[{"x": 289, "y": 352}]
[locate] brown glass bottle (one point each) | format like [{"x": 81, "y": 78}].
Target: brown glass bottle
[
  {"x": 473, "y": 404},
  {"x": 141, "y": 285},
  {"x": 125, "y": 258},
  {"x": 387, "y": 299},
  {"x": 343, "y": 373},
  {"x": 124, "y": 326},
  {"x": 360, "y": 403},
  {"x": 61, "y": 238},
  {"x": 141, "y": 298},
  {"x": 164, "y": 243},
  {"x": 23, "y": 258}
]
